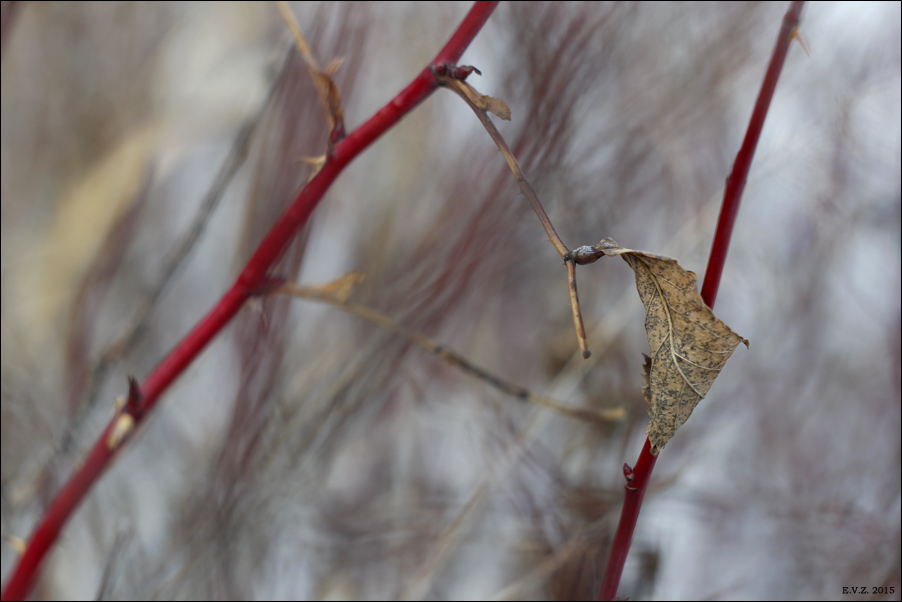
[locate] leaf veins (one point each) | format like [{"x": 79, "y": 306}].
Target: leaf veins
[{"x": 689, "y": 344}]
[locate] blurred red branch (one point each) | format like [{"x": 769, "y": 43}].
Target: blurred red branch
[
  {"x": 251, "y": 281},
  {"x": 636, "y": 486}
]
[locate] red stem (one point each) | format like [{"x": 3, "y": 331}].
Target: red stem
[
  {"x": 635, "y": 489},
  {"x": 250, "y": 281},
  {"x": 738, "y": 176}
]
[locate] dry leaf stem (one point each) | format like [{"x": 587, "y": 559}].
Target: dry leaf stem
[
  {"x": 472, "y": 98},
  {"x": 466, "y": 91},
  {"x": 451, "y": 357},
  {"x": 252, "y": 281},
  {"x": 637, "y": 478},
  {"x": 322, "y": 79}
]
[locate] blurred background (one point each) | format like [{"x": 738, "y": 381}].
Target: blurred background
[{"x": 147, "y": 148}]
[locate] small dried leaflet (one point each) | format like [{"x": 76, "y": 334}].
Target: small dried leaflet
[{"x": 689, "y": 344}]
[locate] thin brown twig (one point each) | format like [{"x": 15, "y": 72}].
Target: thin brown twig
[
  {"x": 453, "y": 358},
  {"x": 577, "y": 314},
  {"x": 465, "y": 91},
  {"x": 476, "y": 102},
  {"x": 325, "y": 87},
  {"x": 299, "y": 40}
]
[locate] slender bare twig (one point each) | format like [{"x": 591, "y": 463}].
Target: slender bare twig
[
  {"x": 471, "y": 97},
  {"x": 339, "y": 300},
  {"x": 299, "y": 40},
  {"x": 574, "y": 306},
  {"x": 479, "y": 104}
]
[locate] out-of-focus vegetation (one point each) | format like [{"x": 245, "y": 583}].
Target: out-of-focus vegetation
[{"x": 309, "y": 454}]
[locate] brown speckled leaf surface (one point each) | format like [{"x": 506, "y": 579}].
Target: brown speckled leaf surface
[{"x": 689, "y": 344}]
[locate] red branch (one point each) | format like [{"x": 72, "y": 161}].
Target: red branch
[
  {"x": 737, "y": 179},
  {"x": 635, "y": 488},
  {"x": 251, "y": 281}
]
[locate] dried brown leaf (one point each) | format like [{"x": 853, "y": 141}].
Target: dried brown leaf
[
  {"x": 496, "y": 106},
  {"x": 328, "y": 91},
  {"x": 689, "y": 344},
  {"x": 330, "y": 94},
  {"x": 341, "y": 288},
  {"x": 483, "y": 101}
]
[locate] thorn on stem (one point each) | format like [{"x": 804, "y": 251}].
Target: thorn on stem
[
  {"x": 269, "y": 285},
  {"x": 454, "y": 71},
  {"x": 337, "y": 134},
  {"x": 797, "y": 36},
  {"x": 628, "y": 471},
  {"x": 134, "y": 391}
]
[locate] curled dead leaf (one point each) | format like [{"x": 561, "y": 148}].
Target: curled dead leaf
[
  {"x": 496, "y": 106},
  {"x": 481, "y": 101},
  {"x": 330, "y": 95},
  {"x": 341, "y": 288},
  {"x": 689, "y": 344}
]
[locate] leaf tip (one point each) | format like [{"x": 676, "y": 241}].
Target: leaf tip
[{"x": 497, "y": 106}]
